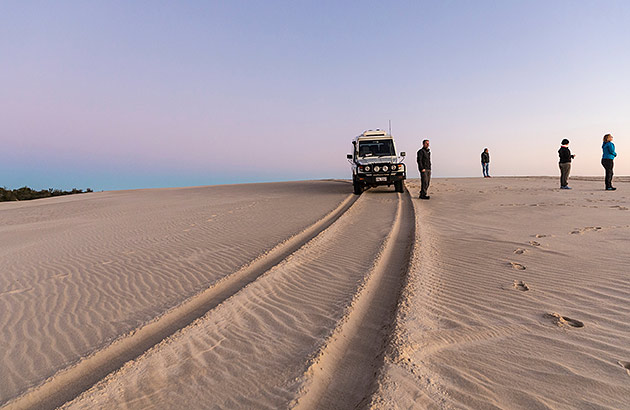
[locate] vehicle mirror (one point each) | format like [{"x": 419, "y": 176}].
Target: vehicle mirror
[
  {"x": 402, "y": 154},
  {"x": 349, "y": 156}
]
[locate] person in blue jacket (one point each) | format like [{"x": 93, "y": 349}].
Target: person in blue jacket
[{"x": 608, "y": 157}]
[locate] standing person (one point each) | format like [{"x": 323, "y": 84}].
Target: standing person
[
  {"x": 424, "y": 165},
  {"x": 608, "y": 157},
  {"x": 485, "y": 163},
  {"x": 565, "y": 163}
]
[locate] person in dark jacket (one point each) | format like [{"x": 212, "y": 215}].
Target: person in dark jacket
[
  {"x": 608, "y": 156},
  {"x": 424, "y": 165},
  {"x": 485, "y": 163},
  {"x": 565, "y": 163}
]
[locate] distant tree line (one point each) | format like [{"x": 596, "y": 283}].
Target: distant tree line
[{"x": 24, "y": 193}]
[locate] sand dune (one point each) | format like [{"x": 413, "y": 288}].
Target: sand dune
[
  {"x": 79, "y": 272},
  {"x": 276, "y": 343},
  {"x": 518, "y": 297},
  {"x": 496, "y": 293}
]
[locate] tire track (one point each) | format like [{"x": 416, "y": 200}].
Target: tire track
[
  {"x": 71, "y": 382},
  {"x": 343, "y": 372},
  {"x": 253, "y": 350}
]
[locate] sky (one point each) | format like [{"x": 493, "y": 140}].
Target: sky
[{"x": 120, "y": 94}]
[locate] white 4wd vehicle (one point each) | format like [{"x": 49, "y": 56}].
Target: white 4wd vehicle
[{"x": 374, "y": 162}]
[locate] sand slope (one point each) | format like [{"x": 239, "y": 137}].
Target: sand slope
[
  {"x": 81, "y": 271},
  {"x": 280, "y": 341},
  {"x": 518, "y": 297},
  {"x": 496, "y": 293}
]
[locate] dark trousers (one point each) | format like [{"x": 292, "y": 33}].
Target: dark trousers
[
  {"x": 425, "y": 180},
  {"x": 608, "y": 166},
  {"x": 565, "y": 169}
]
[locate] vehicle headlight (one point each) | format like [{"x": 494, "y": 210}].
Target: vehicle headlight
[
  {"x": 377, "y": 168},
  {"x": 385, "y": 168},
  {"x": 367, "y": 167}
]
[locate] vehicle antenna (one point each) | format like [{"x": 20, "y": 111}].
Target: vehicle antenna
[{"x": 390, "y": 127}]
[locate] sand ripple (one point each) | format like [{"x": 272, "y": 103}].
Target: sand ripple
[
  {"x": 80, "y": 272},
  {"x": 254, "y": 348},
  {"x": 494, "y": 319}
]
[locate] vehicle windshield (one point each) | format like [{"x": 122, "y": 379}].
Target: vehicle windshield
[{"x": 376, "y": 148}]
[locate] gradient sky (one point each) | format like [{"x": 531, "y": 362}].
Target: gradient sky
[{"x": 119, "y": 94}]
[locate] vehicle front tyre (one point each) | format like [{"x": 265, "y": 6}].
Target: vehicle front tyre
[
  {"x": 399, "y": 187},
  {"x": 358, "y": 189}
]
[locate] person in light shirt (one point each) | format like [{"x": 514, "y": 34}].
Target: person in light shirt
[{"x": 485, "y": 163}]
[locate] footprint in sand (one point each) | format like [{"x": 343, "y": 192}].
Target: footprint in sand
[
  {"x": 625, "y": 365},
  {"x": 621, "y": 208},
  {"x": 561, "y": 321},
  {"x": 534, "y": 243},
  {"x": 517, "y": 266},
  {"x": 520, "y": 285},
  {"x": 520, "y": 251},
  {"x": 586, "y": 229},
  {"x": 540, "y": 235}
]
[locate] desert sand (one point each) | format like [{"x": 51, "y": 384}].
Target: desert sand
[
  {"x": 496, "y": 293},
  {"x": 518, "y": 297}
]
